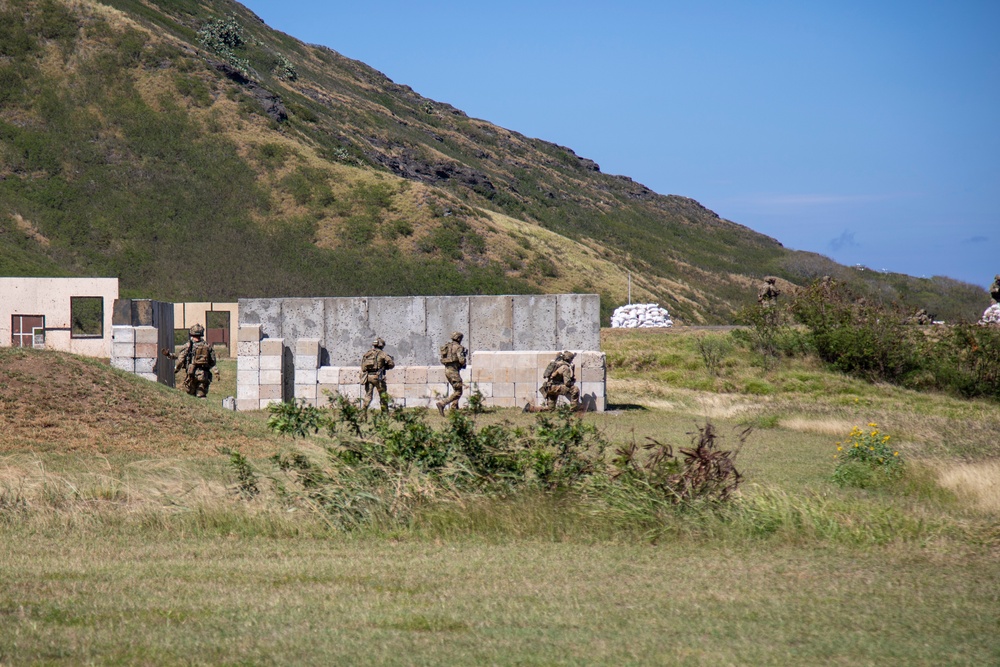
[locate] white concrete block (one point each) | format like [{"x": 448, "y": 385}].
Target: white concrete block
[
  {"x": 123, "y": 350},
  {"x": 306, "y": 362},
  {"x": 269, "y": 363},
  {"x": 248, "y": 363},
  {"x": 503, "y": 390},
  {"x": 244, "y": 376},
  {"x": 484, "y": 388},
  {"x": 147, "y": 335},
  {"x": 270, "y": 391},
  {"x": 305, "y": 376},
  {"x": 248, "y": 391},
  {"x": 248, "y": 333},
  {"x": 270, "y": 377},
  {"x": 272, "y": 347},
  {"x": 246, "y": 405},
  {"x": 145, "y": 365},
  {"x": 122, "y": 334},
  {"x": 247, "y": 348},
  {"x": 307, "y": 391},
  {"x": 328, "y": 375},
  {"x": 148, "y": 376},
  {"x": 123, "y": 363}
]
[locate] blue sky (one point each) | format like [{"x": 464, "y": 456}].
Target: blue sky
[{"x": 868, "y": 132}]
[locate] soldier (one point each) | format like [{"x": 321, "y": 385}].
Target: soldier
[
  {"x": 197, "y": 358},
  {"x": 374, "y": 364},
  {"x": 560, "y": 380},
  {"x": 453, "y": 357},
  {"x": 768, "y": 293}
]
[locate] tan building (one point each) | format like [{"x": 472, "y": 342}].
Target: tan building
[
  {"x": 219, "y": 320},
  {"x": 68, "y": 314}
]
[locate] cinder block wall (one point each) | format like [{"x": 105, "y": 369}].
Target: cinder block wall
[
  {"x": 315, "y": 346},
  {"x": 140, "y": 329}
]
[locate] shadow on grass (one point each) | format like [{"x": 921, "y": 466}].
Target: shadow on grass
[{"x": 624, "y": 407}]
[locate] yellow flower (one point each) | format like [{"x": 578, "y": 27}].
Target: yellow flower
[
  {"x": 839, "y": 448},
  {"x": 874, "y": 433},
  {"x": 885, "y": 439},
  {"x": 872, "y": 424},
  {"x": 855, "y": 444},
  {"x": 895, "y": 453},
  {"x": 872, "y": 448}
]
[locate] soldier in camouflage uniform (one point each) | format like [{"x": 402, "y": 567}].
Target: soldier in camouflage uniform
[
  {"x": 453, "y": 357},
  {"x": 197, "y": 359},
  {"x": 374, "y": 364},
  {"x": 560, "y": 380},
  {"x": 768, "y": 293}
]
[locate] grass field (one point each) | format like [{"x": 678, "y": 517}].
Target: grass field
[{"x": 123, "y": 541}]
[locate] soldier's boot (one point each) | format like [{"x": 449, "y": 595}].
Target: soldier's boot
[{"x": 440, "y": 407}]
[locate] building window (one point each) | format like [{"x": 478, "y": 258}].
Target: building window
[
  {"x": 27, "y": 330},
  {"x": 87, "y": 315}
]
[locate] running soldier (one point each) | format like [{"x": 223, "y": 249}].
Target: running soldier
[
  {"x": 197, "y": 359},
  {"x": 374, "y": 364},
  {"x": 453, "y": 357},
  {"x": 560, "y": 380}
]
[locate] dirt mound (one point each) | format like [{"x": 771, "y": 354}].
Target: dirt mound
[{"x": 53, "y": 401}]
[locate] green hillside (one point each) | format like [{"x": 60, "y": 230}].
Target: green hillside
[{"x": 197, "y": 154}]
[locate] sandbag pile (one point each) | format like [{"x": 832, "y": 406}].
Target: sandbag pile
[
  {"x": 991, "y": 315},
  {"x": 640, "y": 315}
]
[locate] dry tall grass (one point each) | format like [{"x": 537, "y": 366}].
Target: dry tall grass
[{"x": 978, "y": 484}]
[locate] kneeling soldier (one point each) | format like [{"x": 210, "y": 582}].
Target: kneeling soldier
[{"x": 560, "y": 380}]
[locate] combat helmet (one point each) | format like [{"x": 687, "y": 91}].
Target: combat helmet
[
  {"x": 457, "y": 336},
  {"x": 379, "y": 343},
  {"x": 568, "y": 356},
  {"x": 197, "y": 331}
]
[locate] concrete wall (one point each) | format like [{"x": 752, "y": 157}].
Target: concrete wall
[
  {"x": 314, "y": 346},
  {"x": 50, "y": 297},
  {"x": 414, "y": 328}
]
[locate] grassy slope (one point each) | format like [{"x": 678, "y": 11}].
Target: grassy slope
[
  {"x": 127, "y": 154},
  {"x": 142, "y": 553}
]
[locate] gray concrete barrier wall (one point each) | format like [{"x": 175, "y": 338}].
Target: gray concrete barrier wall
[{"x": 414, "y": 328}]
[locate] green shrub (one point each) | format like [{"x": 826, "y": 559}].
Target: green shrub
[
  {"x": 713, "y": 350},
  {"x": 295, "y": 418},
  {"x": 866, "y": 460},
  {"x": 856, "y": 336}
]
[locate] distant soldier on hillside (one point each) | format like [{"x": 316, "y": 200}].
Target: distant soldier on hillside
[
  {"x": 374, "y": 364},
  {"x": 197, "y": 359},
  {"x": 768, "y": 293},
  {"x": 453, "y": 357},
  {"x": 921, "y": 317}
]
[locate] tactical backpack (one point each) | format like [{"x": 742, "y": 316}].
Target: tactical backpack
[
  {"x": 202, "y": 355},
  {"x": 550, "y": 369},
  {"x": 446, "y": 356},
  {"x": 368, "y": 363}
]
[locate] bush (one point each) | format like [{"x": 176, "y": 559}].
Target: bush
[
  {"x": 866, "y": 460},
  {"x": 855, "y": 336}
]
